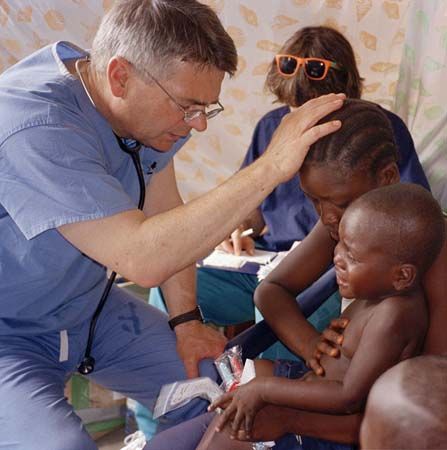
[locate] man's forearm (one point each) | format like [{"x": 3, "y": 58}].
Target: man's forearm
[
  {"x": 212, "y": 216},
  {"x": 255, "y": 221},
  {"x": 179, "y": 291}
]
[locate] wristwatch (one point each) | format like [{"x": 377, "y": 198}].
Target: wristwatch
[{"x": 195, "y": 314}]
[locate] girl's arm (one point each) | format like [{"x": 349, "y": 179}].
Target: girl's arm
[{"x": 276, "y": 295}]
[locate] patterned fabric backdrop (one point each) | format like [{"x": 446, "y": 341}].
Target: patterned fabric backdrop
[
  {"x": 400, "y": 47},
  {"x": 421, "y": 100}
]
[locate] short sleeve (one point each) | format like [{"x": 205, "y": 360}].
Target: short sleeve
[{"x": 51, "y": 176}]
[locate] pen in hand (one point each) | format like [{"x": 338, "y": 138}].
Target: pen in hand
[
  {"x": 233, "y": 246},
  {"x": 245, "y": 233},
  {"x": 236, "y": 242}
]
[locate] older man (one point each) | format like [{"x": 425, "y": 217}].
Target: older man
[{"x": 71, "y": 126}]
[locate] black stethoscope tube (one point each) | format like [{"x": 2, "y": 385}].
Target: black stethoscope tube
[{"x": 87, "y": 364}]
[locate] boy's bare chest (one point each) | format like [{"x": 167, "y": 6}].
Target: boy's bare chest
[{"x": 358, "y": 313}]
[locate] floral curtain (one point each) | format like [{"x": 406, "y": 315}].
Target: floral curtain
[{"x": 400, "y": 48}]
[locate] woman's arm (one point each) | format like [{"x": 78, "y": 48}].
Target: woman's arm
[
  {"x": 435, "y": 287},
  {"x": 276, "y": 295}
]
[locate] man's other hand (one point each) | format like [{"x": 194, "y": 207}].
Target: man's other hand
[{"x": 196, "y": 341}]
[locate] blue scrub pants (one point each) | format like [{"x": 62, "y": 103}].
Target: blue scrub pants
[{"x": 135, "y": 353}]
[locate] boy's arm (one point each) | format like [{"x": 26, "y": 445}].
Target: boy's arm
[
  {"x": 384, "y": 338},
  {"x": 272, "y": 422}
]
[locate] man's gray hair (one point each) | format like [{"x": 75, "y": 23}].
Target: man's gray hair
[{"x": 154, "y": 35}]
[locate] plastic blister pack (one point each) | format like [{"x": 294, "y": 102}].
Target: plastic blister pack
[{"x": 229, "y": 365}]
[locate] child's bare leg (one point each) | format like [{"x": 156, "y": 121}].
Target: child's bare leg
[
  {"x": 213, "y": 440},
  {"x": 264, "y": 368}
]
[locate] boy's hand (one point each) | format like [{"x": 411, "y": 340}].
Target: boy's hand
[
  {"x": 328, "y": 343},
  {"x": 240, "y": 405}
]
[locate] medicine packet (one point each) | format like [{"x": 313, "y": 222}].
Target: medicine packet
[
  {"x": 229, "y": 365},
  {"x": 175, "y": 395}
]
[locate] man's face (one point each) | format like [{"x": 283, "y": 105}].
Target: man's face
[{"x": 151, "y": 116}]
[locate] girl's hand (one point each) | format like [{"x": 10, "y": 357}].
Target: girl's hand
[{"x": 328, "y": 344}]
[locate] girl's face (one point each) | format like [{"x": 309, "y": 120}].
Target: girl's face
[{"x": 331, "y": 193}]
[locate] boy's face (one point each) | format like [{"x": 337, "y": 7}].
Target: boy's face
[{"x": 362, "y": 265}]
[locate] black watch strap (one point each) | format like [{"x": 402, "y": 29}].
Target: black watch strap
[{"x": 195, "y": 314}]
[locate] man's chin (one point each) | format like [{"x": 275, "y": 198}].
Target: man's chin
[{"x": 163, "y": 144}]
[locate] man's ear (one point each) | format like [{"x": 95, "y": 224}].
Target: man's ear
[
  {"x": 389, "y": 174},
  {"x": 404, "y": 275},
  {"x": 118, "y": 73}
]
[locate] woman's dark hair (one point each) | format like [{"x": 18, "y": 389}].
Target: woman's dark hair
[
  {"x": 364, "y": 142},
  {"x": 319, "y": 42}
]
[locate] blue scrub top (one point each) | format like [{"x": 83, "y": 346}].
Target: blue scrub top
[
  {"x": 59, "y": 163},
  {"x": 287, "y": 212}
]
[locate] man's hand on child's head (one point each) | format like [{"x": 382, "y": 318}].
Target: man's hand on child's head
[{"x": 328, "y": 344}]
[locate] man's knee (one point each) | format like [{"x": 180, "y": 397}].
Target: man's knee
[
  {"x": 194, "y": 407},
  {"x": 47, "y": 438}
]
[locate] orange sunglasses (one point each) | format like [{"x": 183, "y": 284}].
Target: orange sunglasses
[{"x": 314, "y": 68}]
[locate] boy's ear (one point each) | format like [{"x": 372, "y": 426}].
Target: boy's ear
[
  {"x": 404, "y": 276},
  {"x": 389, "y": 174}
]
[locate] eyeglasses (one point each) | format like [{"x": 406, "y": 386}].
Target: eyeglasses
[
  {"x": 314, "y": 68},
  {"x": 189, "y": 116}
]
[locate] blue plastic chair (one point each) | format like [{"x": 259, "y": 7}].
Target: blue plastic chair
[{"x": 259, "y": 337}]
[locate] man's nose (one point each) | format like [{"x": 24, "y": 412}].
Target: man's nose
[{"x": 200, "y": 123}]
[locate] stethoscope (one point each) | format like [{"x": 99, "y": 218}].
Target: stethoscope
[
  {"x": 87, "y": 365},
  {"x": 131, "y": 147}
]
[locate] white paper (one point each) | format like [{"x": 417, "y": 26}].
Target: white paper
[
  {"x": 175, "y": 395},
  {"x": 267, "y": 268},
  {"x": 220, "y": 258},
  {"x": 249, "y": 371}
]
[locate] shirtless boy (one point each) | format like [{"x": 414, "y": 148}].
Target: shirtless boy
[{"x": 389, "y": 237}]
